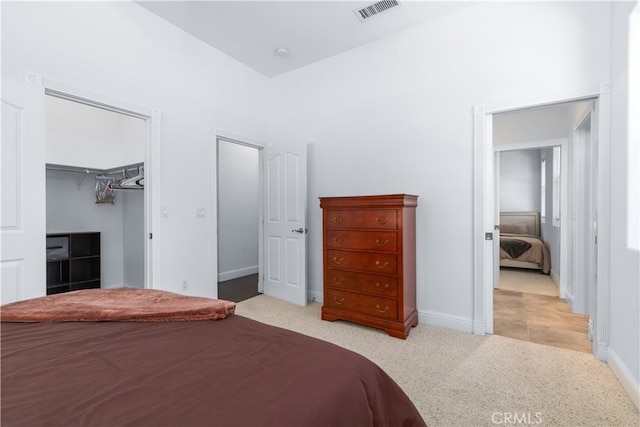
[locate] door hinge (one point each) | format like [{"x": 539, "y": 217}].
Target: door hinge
[
  {"x": 488, "y": 236},
  {"x": 150, "y": 236}
]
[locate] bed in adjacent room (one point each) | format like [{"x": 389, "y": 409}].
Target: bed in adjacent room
[
  {"x": 521, "y": 244},
  {"x": 146, "y": 357}
]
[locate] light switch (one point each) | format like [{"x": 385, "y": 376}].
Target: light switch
[
  {"x": 200, "y": 213},
  {"x": 165, "y": 212}
]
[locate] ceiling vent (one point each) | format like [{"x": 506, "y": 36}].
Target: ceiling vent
[{"x": 375, "y": 9}]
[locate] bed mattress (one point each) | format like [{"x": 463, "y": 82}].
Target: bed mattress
[{"x": 231, "y": 372}]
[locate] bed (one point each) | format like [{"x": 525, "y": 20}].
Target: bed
[
  {"x": 520, "y": 243},
  {"x": 122, "y": 357}
]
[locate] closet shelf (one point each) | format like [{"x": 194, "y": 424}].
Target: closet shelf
[{"x": 94, "y": 171}]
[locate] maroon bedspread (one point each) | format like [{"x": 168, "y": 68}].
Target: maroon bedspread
[{"x": 235, "y": 372}]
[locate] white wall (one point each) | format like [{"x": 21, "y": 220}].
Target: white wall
[
  {"x": 90, "y": 137},
  {"x": 121, "y": 50},
  {"x": 520, "y": 181},
  {"x": 238, "y": 210},
  {"x": 549, "y": 122},
  {"x": 73, "y": 209},
  {"x": 396, "y": 116},
  {"x": 134, "y": 238},
  {"x": 624, "y": 349}
]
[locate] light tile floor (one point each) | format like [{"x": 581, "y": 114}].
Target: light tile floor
[{"x": 541, "y": 319}]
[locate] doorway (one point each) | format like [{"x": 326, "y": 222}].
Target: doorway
[
  {"x": 117, "y": 140},
  {"x": 89, "y": 151},
  {"x": 531, "y": 176},
  {"x": 280, "y": 213},
  {"x": 239, "y": 208},
  {"x": 485, "y": 212}
]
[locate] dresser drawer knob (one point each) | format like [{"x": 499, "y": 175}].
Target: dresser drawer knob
[
  {"x": 338, "y": 301},
  {"x": 382, "y": 310},
  {"x": 379, "y": 243},
  {"x": 338, "y": 261},
  {"x": 382, "y": 221},
  {"x": 380, "y": 265},
  {"x": 338, "y": 281},
  {"x": 338, "y": 240},
  {"x": 338, "y": 219},
  {"x": 382, "y": 288}
]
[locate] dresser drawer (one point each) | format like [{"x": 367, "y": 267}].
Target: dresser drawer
[
  {"x": 361, "y": 282},
  {"x": 373, "y": 306},
  {"x": 363, "y": 261},
  {"x": 386, "y": 241},
  {"x": 375, "y": 219}
]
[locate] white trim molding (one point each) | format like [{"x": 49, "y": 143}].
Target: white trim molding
[
  {"x": 238, "y": 139},
  {"x": 444, "y": 320},
  {"x": 240, "y": 272},
  {"x": 631, "y": 385},
  {"x": 315, "y": 296},
  {"x": 483, "y": 200},
  {"x": 603, "y": 286}
]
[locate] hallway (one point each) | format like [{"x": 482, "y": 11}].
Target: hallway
[{"x": 538, "y": 318}]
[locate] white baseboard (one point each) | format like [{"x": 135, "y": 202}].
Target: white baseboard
[
  {"x": 569, "y": 298},
  {"x": 234, "y": 274},
  {"x": 315, "y": 296},
  {"x": 627, "y": 381},
  {"x": 458, "y": 323},
  {"x": 555, "y": 278}
]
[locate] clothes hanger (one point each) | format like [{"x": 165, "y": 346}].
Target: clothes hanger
[{"x": 129, "y": 183}]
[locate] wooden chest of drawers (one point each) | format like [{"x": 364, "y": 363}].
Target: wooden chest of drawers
[{"x": 369, "y": 261}]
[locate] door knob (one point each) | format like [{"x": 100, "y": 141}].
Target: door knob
[{"x": 300, "y": 230}]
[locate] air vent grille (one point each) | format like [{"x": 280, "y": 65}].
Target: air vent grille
[{"x": 375, "y": 9}]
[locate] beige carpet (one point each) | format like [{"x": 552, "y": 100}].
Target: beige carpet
[
  {"x": 527, "y": 281},
  {"x": 460, "y": 379}
]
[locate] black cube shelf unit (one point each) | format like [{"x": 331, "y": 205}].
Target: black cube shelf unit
[{"x": 73, "y": 262}]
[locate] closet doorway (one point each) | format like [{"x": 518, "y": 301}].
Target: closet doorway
[
  {"x": 239, "y": 213},
  {"x": 97, "y": 182},
  {"x": 536, "y": 163}
]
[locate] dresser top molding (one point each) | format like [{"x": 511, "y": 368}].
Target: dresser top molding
[{"x": 387, "y": 200}]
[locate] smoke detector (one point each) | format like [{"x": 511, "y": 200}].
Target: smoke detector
[
  {"x": 375, "y": 9},
  {"x": 281, "y": 52}
]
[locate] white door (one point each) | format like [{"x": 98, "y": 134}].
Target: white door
[
  {"x": 496, "y": 220},
  {"x": 285, "y": 198},
  {"x": 22, "y": 182}
]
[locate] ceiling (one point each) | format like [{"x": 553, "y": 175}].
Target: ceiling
[{"x": 251, "y": 31}]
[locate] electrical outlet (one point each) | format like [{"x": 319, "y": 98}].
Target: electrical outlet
[{"x": 185, "y": 285}]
